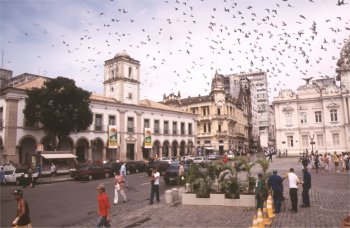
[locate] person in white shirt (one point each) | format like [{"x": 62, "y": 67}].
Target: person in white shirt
[
  {"x": 293, "y": 189},
  {"x": 154, "y": 185},
  {"x": 123, "y": 173}
]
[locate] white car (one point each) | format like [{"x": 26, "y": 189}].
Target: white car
[
  {"x": 198, "y": 160},
  {"x": 12, "y": 176},
  {"x": 165, "y": 159},
  {"x": 230, "y": 156},
  {"x": 212, "y": 156}
]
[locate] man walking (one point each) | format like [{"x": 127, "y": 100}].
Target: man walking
[
  {"x": 261, "y": 192},
  {"x": 2, "y": 176},
  {"x": 103, "y": 207},
  {"x": 123, "y": 173},
  {"x": 306, "y": 187},
  {"x": 293, "y": 189},
  {"x": 275, "y": 183},
  {"x": 154, "y": 186},
  {"x": 119, "y": 188},
  {"x": 22, "y": 219}
]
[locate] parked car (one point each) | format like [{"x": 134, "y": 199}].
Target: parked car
[
  {"x": 135, "y": 167},
  {"x": 160, "y": 165},
  {"x": 112, "y": 167},
  {"x": 90, "y": 172},
  {"x": 198, "y": 160},
  {"x": 230, "y": 156},
  {"x": 165, "y": 159},
  {"x": 14, "y": 175},
  {"x": 172, "y": 172},
  {"x": 212, "y": 156}
]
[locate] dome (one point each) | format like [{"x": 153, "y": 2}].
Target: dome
[{"x": 122, "y": 54}]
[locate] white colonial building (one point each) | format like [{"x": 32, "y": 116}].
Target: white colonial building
[
  {"x": 120, "y": 107},
  {"x": 316, "y": 116}
]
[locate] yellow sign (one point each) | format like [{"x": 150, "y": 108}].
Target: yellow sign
[
  {"x": 148, "y": 138},
  {"x": 112, "y": 137}
]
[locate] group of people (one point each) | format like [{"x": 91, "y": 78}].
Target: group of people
[
  {"x": 340, "y": 162},
  {"x": 274, "y": 185}
]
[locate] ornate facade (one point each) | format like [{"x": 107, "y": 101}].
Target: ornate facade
[
  {"x": 316, "y": 116},
  {"x": 120, "y": 106},
  {"x": 222, "y": 122}
]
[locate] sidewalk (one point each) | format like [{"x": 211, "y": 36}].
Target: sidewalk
[
  {"x": 56, "y": 179},
  {"x": 329, "y": 197}
]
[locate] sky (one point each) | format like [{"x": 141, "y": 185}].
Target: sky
[{"x": 180, "y": 43}]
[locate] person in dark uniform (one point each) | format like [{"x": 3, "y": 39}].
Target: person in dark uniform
[
  {"x": 22, "y": 219},
  {"x": 275, "y": 183},
  {"x": 306, "y": 187}
]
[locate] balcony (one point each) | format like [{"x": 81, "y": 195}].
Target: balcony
[
  {"x": 130, "y": 130},
  {"x": 221, "y": 133},
  {"x": 204, "y": 118},
  {"x": 156, "y": 131},
  {"x": 166, "y": 132}
]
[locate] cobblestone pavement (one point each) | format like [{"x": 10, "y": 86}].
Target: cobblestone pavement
[{"x": 330, "y": 203}]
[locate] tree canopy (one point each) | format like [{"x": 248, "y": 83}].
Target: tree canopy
[{"x": 60, "y": 106}]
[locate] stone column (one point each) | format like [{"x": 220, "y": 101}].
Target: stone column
[
  {"x": 139, "y": 133},
  {"x": 104, "y": 151},
  {"x": 122, "y": 130},
  {"x": 89, "y": 155},
  {"x": 10, "y": 129}
]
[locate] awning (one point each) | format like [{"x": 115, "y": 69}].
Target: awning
[
  {"x": 58, "y": 156},
  {"x": 209, "y": 147}
]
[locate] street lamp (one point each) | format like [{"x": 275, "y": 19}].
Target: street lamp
[{"x": 312, "y": 142}]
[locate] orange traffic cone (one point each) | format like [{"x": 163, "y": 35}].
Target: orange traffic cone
[
  {"x": 267, "y": 220},
  {"x": 270, "y": 207},
  {"x": 255, "y": 222},
  {"x": 260, "y": 219}
]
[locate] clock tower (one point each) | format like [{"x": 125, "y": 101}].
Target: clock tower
[{"x": 122, "y": 79}]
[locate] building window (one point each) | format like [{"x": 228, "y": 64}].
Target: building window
[
  {"x": 204, "y": 127},
  {"x": 335, "y": 137},
  {"x": 146, "y": 123},
  {"x": 111, "y": 120},
  {"x": 318, "y": 117},
  {"x": 219, "y": 128},
  {"x": 130, "y": 124},
  {"x": 204, "y": 111},
  {"x": 189, "y": 129},
  {"x": 166, "y": 127},
  {"x": 319, "y": 139},
  {"x": 209, "y": 127},
  {"x": 219, "y": 111},
  {"x": 112, "y": 73},
  {"x": 305, "y": 140},
  {"x": 130, "y": 96},
  {"x": 334, "y": 115},
  {"x": 290, "y": 141},
  {"x": 174, "y": 128},
  {"x": 98, "y": 122},
  {"x": 182, "y": 128},
  {"x": 156, "y": 126},
  {"x": 289, "y": 120},
  {"x": 130, "y": 72},
  {"x": 303, "y": 117}
]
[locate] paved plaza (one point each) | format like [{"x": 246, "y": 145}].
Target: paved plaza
[{"x": 329, "y": 195}]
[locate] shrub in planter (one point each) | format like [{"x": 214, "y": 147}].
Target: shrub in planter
[
  {"x": 251, "y": 184},
  {"x": 231, "y": 188}
]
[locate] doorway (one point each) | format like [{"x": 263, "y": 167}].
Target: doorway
[{"x": 130, "y": 151}]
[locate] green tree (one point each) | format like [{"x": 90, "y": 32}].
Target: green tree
[{"x": 60, "y": 106}]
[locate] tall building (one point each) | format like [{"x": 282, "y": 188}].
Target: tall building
[
  {"x": 120, "y": 108},
  {"x": 316, "y": 116},
  {"x": 261, "y": 119},
  {"x": 222, "y": 122}
]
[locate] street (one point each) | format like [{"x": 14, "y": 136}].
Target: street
[{"x": 72, "y": 202}]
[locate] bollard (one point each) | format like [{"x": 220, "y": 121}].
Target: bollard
[
  {"x": 181, "y": 191},
  {"x": 168, "y": 197},
  {"x": 175, "y": 192}
]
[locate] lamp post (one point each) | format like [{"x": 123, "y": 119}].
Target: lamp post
[{"x": 312, "y": 142}]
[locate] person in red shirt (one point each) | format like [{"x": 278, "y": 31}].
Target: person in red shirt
[{"x": 103, "y": 207}]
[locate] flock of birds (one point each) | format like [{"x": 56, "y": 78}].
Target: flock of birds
[{"x": 189, "y": 44}]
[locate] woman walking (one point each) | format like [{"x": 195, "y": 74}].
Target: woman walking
[{"x": 119, "y": 188}]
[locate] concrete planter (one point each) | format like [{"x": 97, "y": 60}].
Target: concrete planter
[{"x": 218, "y": 200}]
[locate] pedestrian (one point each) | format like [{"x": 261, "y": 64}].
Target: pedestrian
[
  {"x": 306, "y": 187},
  {"x": 123, "y": 173},
  {"x": 326, "y": 162},
  {"x": 154, "y": 185},
  {"x": 2, "y": 176},
  {"x": 336, "y": 162},
  {"x": 53, "y": 170},
  {"x": 119, "y": 188},
  {"x": 225, "y": 159},
  {"x": 22, "y": 218},
  {"x": 317, "y": 163},
  {"x": 260, "y": 192},
  {"x": 293, "y": 189},
  {"x": 30, "y": 178},
  {"x": 270, "y": 156},
  {"x": 103, "y": 207},
  {"x": 275, "y": 183}
]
